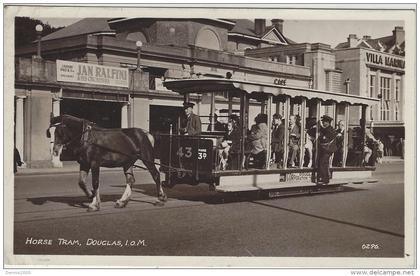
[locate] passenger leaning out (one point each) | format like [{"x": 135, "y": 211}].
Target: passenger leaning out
[{"x": 258, "y": 140}]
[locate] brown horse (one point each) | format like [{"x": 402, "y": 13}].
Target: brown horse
[{"x": 96, "y": 147}]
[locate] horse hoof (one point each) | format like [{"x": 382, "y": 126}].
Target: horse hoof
[
  {"x": 93, "y": 208},
  {"x": 163, "y": 198},
  {"x": 120, "y": 204},
  {"x": 159, "y": 203}
]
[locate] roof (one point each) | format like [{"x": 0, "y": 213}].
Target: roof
[
  {"x": 383, "y": 44},
  {"x": 82, "y": 27},
  {"x": 247, "y": 27},
  {"x": 213, "y": 85}
]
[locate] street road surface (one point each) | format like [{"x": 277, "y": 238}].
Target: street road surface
[{"x": 362, "y": 221}]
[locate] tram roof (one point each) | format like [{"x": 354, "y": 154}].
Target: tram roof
[{"x": 214, "y": 85}]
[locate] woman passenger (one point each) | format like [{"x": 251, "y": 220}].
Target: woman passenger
[
  {"x": 230, "y": 147},
  {"x": 258, "y": 138}
]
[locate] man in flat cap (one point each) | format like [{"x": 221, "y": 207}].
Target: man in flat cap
[
  {"x": 192, "y": 122},
  {"x": 327, "y": 146}
]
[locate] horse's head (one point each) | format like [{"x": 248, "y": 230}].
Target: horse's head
[
  {"x": 66, "y": 129},
  {"x": 62, "y": 137}
]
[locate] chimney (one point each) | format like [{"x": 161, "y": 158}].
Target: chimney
[
  {"x": 366, "y": 37},
  {"x": 352, "y": 40},
  {"x": 259, "y": 26},
  {"x": 278, "y": 24},
  {"x": 399, "y": 35}
]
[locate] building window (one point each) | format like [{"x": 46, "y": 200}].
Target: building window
[
  {"x": 287, "y": 59},
  {"x": 397, "y": 90},
  {"x": 372, "y": 84},
  {"x": 155, "y": 74},
  {"x": 397, "y": 111},
  {"x": 385, "y": 103}
]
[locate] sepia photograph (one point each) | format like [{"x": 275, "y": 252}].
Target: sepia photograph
[{"x": 210, "y": 136}]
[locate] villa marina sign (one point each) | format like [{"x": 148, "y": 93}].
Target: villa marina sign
[
  {"x": 383, "y": 60},
  {"x": 91, "y": 74}
]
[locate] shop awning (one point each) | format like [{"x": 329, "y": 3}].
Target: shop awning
[{"x": 213, "y": 85}]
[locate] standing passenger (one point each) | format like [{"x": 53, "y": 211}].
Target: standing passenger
[
  {"x": 277, "y": 140},
  {"x": 294, "y": 138},
  {"x": 327, "y": 146}
]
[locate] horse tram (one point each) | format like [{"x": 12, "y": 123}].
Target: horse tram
[{"x": 231, "y": 166}]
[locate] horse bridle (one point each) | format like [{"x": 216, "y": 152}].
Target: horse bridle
[{"x": 86, "y": 127}]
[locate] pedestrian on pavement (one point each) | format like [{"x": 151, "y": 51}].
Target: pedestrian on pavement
[{"x": 16, "y": 160}]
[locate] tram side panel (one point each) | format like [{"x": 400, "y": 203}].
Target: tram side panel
[{"x": 187, "y": 159}]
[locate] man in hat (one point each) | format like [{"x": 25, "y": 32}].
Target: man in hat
[
  {"x": 192, "y": 123},
  {"x": 277, "y": 140},
  {"x": 327, "y": 146}
]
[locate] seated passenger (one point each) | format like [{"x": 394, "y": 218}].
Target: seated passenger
[
  {"x": 369, "y": 149},
  {"x": 310, "y": 135},
  {"x": 338, "y": 155},
  {"x": 218, "y": 126},
  {"x": 229, "y": 148},
  {"x": 258, "y": 139},
  {"x": 294, "y": 138}
]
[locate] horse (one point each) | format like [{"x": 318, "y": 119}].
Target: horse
[{"x": 97, "y": 147}]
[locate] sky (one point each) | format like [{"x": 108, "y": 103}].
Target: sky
[{"x": 329, "y": 32}]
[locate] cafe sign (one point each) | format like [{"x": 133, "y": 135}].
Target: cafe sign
[
  {"x": 88, "y": 73},
  {"x": 384, "y": 60}
]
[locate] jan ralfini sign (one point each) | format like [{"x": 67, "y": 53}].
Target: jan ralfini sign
[{"x": 78, "y": 72}]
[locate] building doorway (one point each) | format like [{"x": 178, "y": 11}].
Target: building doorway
[{"x": 104, "y": 114}]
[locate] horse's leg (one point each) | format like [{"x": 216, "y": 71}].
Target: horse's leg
[
  {"x": 96, "y": 201},
  {"x": 83, "y": 174},
  {"x": 161, "y": 196},
  {"x": 129, "y": 176}
]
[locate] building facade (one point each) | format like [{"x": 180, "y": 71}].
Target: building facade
[{"x": 376, "y": 68}]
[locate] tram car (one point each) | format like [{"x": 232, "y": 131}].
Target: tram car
[{"x": 203, "y": 158}]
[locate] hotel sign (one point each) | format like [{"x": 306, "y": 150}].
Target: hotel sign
[
  {"x": 92, "y": 74},
  {"x": 383, "y": 60}
]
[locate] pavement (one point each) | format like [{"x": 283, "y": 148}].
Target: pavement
[{"x": 72, "y": 167}]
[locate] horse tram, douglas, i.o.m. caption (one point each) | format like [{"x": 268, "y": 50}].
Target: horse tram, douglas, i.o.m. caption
[{"x": 295, "y": 137}]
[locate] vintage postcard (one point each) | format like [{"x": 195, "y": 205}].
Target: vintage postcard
[{"x": 276, "y": 136}]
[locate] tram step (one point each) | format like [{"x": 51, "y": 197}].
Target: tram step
[{"x": 236, "y": 187}]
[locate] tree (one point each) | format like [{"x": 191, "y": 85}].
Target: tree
[{"x": 25, "y": 32}]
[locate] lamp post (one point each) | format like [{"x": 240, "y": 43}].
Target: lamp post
[
  {"x": 138, "y": 44},
  {"x": 38, "y": 29}
]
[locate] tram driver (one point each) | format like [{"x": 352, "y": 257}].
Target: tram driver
[{"x": 191, "y": 123}]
